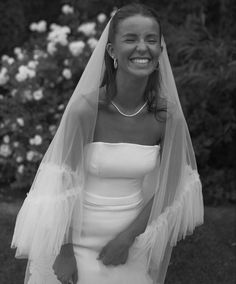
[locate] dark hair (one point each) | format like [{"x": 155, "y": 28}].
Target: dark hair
[{"x": 151, "y": 93}]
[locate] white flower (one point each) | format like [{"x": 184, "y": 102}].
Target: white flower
[
  {"x": 39, "y": 53},
  {"x": 38, "y": 95},
  {"x": 20, "y": 121},
  {"x": 13, "y": 126},
  {"x": 5, "y": 150},
  {"x": 58, "y": 34},
  {"x": 20, "y": 77},
  {"x": 114, "y": 11},
  {"x": 19, "y": 159},
  {"x": 33, "y": 27},
  {"x": 32, "y": 64},
  {"x": 52, "y": 129},
  {"x": 31, "y": 73},
  {"x": 24, "y": 73},
  {"x": 66, "y": 62},
  {"x": 88, "y": 28},
  {"x": 17, "y": 50},
  {"x": 51, "y": 48},
  {"x": 3, "y": 76},
  {"x": 60, "y": 107},
  {"x": 8, "y": 59},
  {"x": 37, "y": 140},
  {"x": 101, "y": 18},
  {"x": 6, "y": 139},
  {"x": 76, "y": 47},
  {"x": 20, "y": 169},
  {"x": 40, "y": 27},
  {"x": 16, "y": 144},
  {"x": 30, "y": 155},
  {"x": 92, "y": 42},
  {"x": 39, "y": 127},
  {"x": 19, "y": 53},
  {"x": 13, "y": 92},
  {"x": 28, "y": 95},
  {"x": 66, "y": 73},
  {"x": 66, "y": 9},
  {"x": 5, "y": 57}
]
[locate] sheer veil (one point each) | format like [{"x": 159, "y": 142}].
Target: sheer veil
[{"x": 53, "y": 207}]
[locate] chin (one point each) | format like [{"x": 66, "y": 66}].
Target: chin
[{"x": 141, "y": 73}]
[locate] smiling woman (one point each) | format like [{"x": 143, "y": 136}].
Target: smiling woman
[
  {"x": 136, "y": 47},
  {"x": 118, "y": 185}
]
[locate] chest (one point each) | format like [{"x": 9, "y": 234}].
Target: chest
[{"x": 114, "y": 127}]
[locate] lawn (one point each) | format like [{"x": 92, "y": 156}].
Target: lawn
[{"x": 206, "y": 257}]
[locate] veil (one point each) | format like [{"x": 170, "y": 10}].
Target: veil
[{"x": 53, "y": 207}]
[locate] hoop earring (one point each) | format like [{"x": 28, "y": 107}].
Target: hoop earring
[
  {"x": 157, "y": 66},
  {"x": 115, "y": 63}
]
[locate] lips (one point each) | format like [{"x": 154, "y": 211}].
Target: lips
[{"x": 139, "y": 60}]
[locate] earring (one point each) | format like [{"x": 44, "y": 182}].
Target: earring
[
  {"x": 115, "y": 63},
  {"x": 157, "y": 66}
]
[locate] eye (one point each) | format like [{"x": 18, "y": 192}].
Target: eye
[
  {"x": 152, "y": 41},
  {"x": 130, "y": 40}
]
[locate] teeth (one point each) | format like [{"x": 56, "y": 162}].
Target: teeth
[{"x": 140, "y": 61}]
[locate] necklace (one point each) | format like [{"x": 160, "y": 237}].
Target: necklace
[{"x": 128, "y": 115}]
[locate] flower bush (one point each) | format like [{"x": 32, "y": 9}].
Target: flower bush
[
  {"x": 37, "y": 81},
  {"x": 35, "y": 85}
]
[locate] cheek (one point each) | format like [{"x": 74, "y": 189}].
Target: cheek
[{"x": 156, "y": 52}]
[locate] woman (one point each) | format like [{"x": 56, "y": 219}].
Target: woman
[{"x": 118, "y": 185}]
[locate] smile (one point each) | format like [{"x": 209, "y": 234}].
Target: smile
[{"x": 141, "y": 61}]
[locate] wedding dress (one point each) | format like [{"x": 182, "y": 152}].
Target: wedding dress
[{"x": 113, "y": 199}]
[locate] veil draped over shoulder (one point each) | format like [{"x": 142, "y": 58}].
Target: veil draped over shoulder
[{"x": 53, "y": 206}]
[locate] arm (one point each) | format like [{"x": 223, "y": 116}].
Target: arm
[
  {"x": 117, "y": 250},
  {"x": 139, "y": 225}
]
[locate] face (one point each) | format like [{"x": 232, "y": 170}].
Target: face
[{"x": 136, "y": 46}]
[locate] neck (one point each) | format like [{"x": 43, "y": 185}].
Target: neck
[{"x": 130, "y": 91}]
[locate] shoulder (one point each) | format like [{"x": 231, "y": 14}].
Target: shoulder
[{"x": 102, "y": 100}]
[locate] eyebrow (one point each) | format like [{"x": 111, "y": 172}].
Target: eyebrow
[{"x": 132, "y": 35}]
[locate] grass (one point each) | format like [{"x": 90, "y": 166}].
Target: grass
[{"x": 206, "y": 257}]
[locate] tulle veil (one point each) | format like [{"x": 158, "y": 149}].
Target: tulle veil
[{"x": 53, "y": 206}]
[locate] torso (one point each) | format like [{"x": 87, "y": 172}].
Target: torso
[{"x": 113, "y": 127}]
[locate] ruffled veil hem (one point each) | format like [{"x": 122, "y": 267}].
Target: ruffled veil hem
[{"x": 46, "y": 212}]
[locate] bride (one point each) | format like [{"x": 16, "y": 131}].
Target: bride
[{"x": 118, "y": 185}]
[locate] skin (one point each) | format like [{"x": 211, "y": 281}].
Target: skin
[{"x": 137, "y": 37}]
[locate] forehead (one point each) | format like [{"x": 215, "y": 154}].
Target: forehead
[{"x": 138, "y": 24}]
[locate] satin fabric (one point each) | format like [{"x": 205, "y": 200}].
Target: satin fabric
[{"x": 113, "y": 199}]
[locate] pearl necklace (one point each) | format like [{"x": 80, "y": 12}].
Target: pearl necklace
[{"x": 129, "y": 115}]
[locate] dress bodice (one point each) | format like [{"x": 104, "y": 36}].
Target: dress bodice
[{"x": 118, "y": 169}]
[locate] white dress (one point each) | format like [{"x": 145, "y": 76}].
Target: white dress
[{"x": 113, "y": 199}]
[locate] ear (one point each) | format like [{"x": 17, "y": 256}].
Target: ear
[{"x": 110, "y": 50}]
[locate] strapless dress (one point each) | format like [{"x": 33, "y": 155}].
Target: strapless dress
[{"x": 113, "y": 199}]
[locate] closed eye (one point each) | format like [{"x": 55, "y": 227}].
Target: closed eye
[{"x": 130, "y": 40}]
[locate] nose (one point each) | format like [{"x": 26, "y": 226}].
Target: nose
[{"x": 141, "y": 46}]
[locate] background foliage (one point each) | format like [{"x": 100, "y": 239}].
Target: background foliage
[{"x": 200, "y": 37}]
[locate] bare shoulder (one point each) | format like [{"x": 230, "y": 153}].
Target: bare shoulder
[
  {"x": 102, "y": 96},
  {"x": 103, "y": 104}
]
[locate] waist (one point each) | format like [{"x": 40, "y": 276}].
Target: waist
[
  {"x": 113, "y": 187},
  {"x": 128, "y": 200}
]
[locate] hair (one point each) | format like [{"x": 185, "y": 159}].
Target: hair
[{"x": 151, "y": 94}]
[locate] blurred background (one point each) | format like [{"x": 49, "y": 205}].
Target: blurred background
[{"x": 44, "y": 47}]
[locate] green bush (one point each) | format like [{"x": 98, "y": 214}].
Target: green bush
[
  {"x": 12, "y": 24},
  {"x": 205, "y": 67},
  {"x": 36, "y": 83}
]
